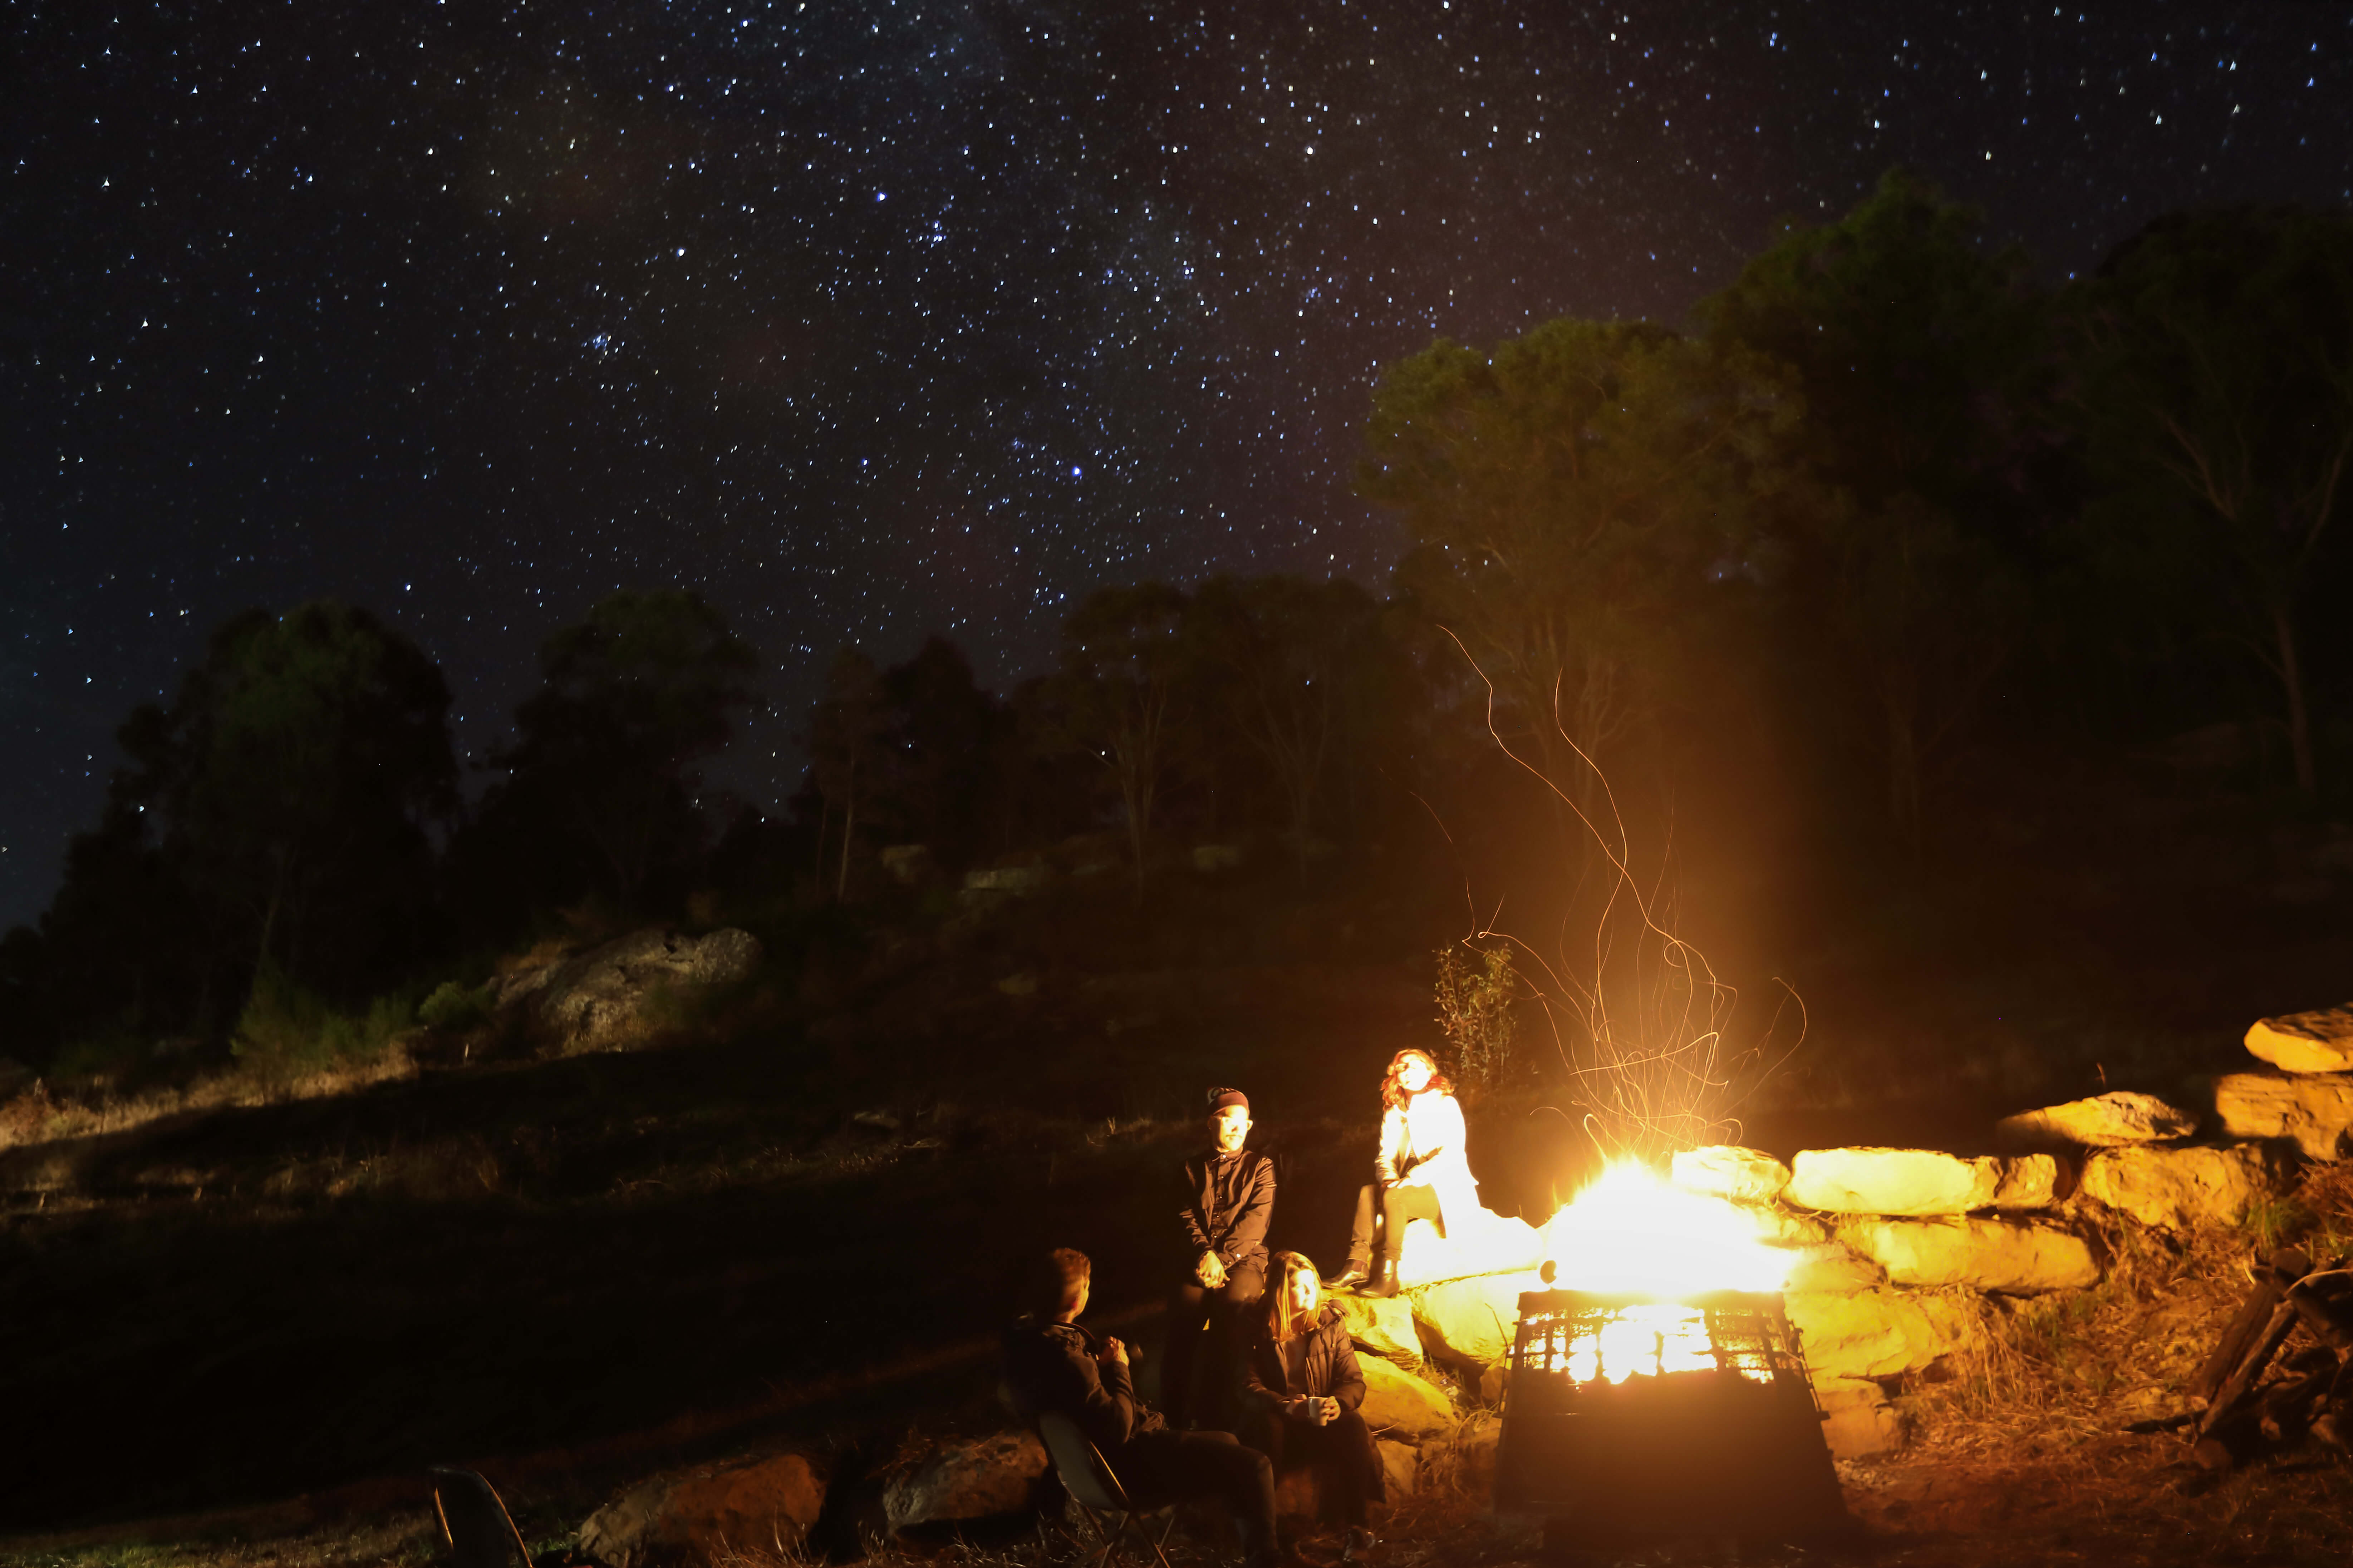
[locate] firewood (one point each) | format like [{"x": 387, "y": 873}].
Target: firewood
[
  {"x": 2234, "y": 1393},
  {"x": 2325, "y": 1301},
  {"x": 2285, "y": 1268}
]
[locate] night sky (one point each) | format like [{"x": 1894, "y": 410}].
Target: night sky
[{"x": 872, "y": 319}]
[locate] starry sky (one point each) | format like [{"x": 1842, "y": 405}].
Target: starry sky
[{"x": 872, "y": 319}]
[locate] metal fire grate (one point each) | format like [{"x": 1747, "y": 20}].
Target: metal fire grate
[{"x": 1640, "y": 1417}]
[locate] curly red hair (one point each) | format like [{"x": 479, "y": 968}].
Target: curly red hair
[{"x": 1393, "y": 1097}]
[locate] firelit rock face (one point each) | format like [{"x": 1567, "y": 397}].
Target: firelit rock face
[
  {"x": 1857, "y": 1421},
  {"x": 2181, "y": 1189},
  {"x": 2313, "y": 1109},
  {"x": 1400, "y": 1406},
  {"x": 2320, "y": 1041},
  {"x": 2103, "y": 1121},
  {"x": 979, "y": 1479},
  {"x": 596, "y": 999},
  {"x": 1875, "y": 1333},
  {"x": 1893, "y": 1182},
  {"x": 1380, "y": 1325},
  {"x": 1729, "y": 1170},
  {"x": 1985, "y": 1254},
  {"x": 1476, "y": 1242},
  {"x": 1471, "y": 1321},
  {"x": 766, "y": 1502},
  {"x": 1832, "y": 1265}
]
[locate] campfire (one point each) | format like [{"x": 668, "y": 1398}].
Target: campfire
[{"x": 1658, "y": 1389}]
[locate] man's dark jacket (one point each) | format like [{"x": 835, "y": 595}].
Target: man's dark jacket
[
  {"x": 1327, "y": 1371},
  {"x": 1229, "y": 1199},
  {"x": 1052, "y": 1366}
]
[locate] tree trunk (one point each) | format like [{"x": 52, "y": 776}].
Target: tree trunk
[
  {"x": 848, "y": 833},
  {"x": 2299, "y": 721}
]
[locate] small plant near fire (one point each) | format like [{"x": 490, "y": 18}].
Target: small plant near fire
[{"x": 1477, "y": 989}]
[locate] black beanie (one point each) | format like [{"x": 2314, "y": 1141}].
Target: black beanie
[{"x": 1221, "y": 1097}]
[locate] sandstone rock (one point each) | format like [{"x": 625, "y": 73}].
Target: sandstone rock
[
  {"x": 2181, "y": 1189},
  {"x": 2313, "y": 1109},
  {"x": 1478, "y": 1242},
  {"x": 1858, "y": 1421},
  {"x": 967, "y": 1479},
  {"x": 910, "y": 865},
  {"x": 1400, "y": 1404},
  {"x": 2031, "y": 1182},
  {"x": 1728, "y": 1171},
  {"x": 1400, "y": 1469},
  {"x": 1986, "y": 1254},
  {"x": 2103, "y": 1121},
  {"x": 752, "y": 1506},
  {"x": 1471, "y": 1321},
  {"x": 1875, "y": 1333},
  {"x": 1893, "y": 1182},
  {"x": 1832, "y": 1265},
  {"x": 1467, "y": 1458},
  {"x": 597, "y": 998},
  {"x": 1380, "y": 1325},
  {"x": 2320, "y": 1041},
  {"x": 1017, "y": 881},
  {"x": 1777, "y": 1226}
]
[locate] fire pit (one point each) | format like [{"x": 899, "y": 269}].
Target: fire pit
[
  {"x": 1630, "y": 1417},
  {"x": 1660, "y": 1391}
]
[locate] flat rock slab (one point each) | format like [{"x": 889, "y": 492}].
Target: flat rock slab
[
  {"x": 1984, "y": 1254},
  {"x": 1380, "y": 1325},
  {"x": 2320, "y": 1041},
  {"x": 974, "y": 1478},
  {"x": 1475, "y": 1242},
  {"x": 1918, "y": 1182},
  {"x": 1832, "y": 1265},
  {"x": 2103, "y": 1122},
  {"x": 755, "y": 1504},
  {"x": 598, "y": 999},
  {"x": 1400, "y": 1406},
  {"x": 2315, "y": 1110},
  {"x": 2183, "y": 1189},
  {"x": 1729, "y": 1170},
  {"x": 1876, "y": 1333}
]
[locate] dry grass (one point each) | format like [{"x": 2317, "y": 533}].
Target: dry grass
[{"x": 42, "y": 1115}]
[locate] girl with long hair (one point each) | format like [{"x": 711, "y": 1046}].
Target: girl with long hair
[
  {"x": 1422, "y": 1172},
  {"x": 1302, "y": 1389}
]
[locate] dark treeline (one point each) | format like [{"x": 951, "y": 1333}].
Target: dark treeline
[{"x": 1827, "y": 579}]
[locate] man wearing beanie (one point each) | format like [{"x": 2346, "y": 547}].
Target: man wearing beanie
[{"x": 1227, "y": 1199}]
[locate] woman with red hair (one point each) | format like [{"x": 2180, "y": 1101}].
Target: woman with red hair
[{"x": 1421, "y": 1172}]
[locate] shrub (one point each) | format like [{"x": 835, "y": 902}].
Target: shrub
[
  {"x": 1476, "y": 1012},
  {"x": 287, "y": 1032},
  {"x": 454, "y": 1009}
]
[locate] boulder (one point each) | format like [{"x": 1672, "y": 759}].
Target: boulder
[
  {"x": 1729, "y": 1170},
  {"x": 1892, "y": 1180},
  {"x": 2320, "y": 1041},
  {"x": 1832, "y": 1265},
  {"x": 1876, "y": 1333},
  {"x": 1380, "y": 1325},
  {"x": 1402, "y": 1406},
  {"x": 1400, "y": 1469},
  {"x": 967, "y": 1478},
  {"x": 1986, "y": 1254},
  {"x": 2313, "y": 1109},
  {"x": 1857, "y": 1421},
  {"x": 1777, "y": 1226},
  {"x": 2182, "y": 1189},
  {"x": 2031, "y": 1182},
  {"x": 2103, "y": 1121},
  {"x": 1471, "y": 1322},
  {"x": 910, "y": 865},
  {"x": 596, "y": 999},
  {"x": 1477, "y": 1242},
  {"x": 750, "y": 1505}
]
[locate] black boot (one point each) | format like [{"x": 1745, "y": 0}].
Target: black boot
[
  {"x": 1385, "y": 1280},
  {"x": 1356, "y": 1273}
]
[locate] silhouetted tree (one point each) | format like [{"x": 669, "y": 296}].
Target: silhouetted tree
[
  {"x": 1916, "y": 353},
  {"x": 277, "y": 812},
  {"x": 599, "y": 792},
  {"x": 850, "y": 754},
  {"x": 1119, "y": 694},
  {"x": 1565, "y": 492},
  {"x": 2216, "y": 353},
  {"x": 941, "y": 729}
]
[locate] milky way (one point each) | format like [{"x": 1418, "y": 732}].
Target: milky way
[{"x": 871, "y": 319}]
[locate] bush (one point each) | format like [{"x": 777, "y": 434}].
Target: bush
[
  {"x": 113, "y": 1055},
  {"x": 455, "y": 1009},
  {"x": 288, "y": 1032}
]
